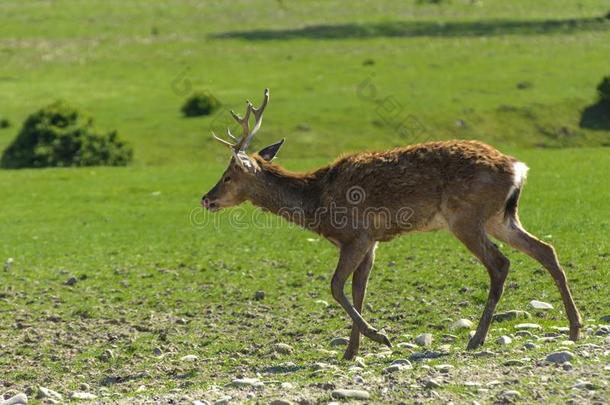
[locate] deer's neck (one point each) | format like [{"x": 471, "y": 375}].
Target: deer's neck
[{"x": 294, "y": 196}]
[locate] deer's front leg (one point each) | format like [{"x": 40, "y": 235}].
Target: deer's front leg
[
  {"x": 359, "y": 282},
  {"x": 350, "y": 257}
]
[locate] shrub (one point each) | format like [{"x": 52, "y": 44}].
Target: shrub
[
  {"x": 4, "y": 123},
  {"x": 59, "y": 135},
  {"x": 200, "y": 103},
  {"x": 603, "y": 89}
]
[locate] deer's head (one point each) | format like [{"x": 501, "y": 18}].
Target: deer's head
[{"x": 240, "y": 178}]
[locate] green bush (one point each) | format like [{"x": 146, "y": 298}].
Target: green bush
[
  {"x": 200, "y": 103},
  {"x": 603, "y": 89},
  {"x": 4, "y": 123},
  {"x": 58, "y": 136}
]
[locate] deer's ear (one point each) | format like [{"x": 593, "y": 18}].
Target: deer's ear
[{"x": 269, "y": 152}]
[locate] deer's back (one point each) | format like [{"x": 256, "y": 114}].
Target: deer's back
[{"x": 430, "y": 181}]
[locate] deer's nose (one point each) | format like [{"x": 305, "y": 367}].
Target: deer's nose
[{"x": 205, "y": 202}]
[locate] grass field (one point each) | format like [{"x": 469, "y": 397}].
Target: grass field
[{"x": 122, "y": 259}]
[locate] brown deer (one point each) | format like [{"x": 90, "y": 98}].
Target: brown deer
[{"x": 467, "y": 187}]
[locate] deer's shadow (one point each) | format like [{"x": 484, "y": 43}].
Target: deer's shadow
[{"x": 596, "y": 116}]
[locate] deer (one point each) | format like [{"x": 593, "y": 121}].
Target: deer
[{"x": 464, "y": 186}]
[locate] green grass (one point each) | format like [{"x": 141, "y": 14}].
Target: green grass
[{"x": 153, "y": 271}]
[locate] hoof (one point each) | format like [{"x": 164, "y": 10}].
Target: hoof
[
  {"x": 474, "y": 344},
  {"x": 386, "y": 341},
  {"x": 575, "y": 332},
  {"x": 349, "y": 354}
]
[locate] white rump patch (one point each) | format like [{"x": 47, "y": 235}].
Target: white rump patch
[{"x": 519, "y": 173}]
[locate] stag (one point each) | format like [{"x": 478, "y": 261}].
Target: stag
[{"x": 466, "y": 187}]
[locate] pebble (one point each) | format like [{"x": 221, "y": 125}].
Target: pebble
[
  {"x": 280, "y": 402},
  {"x": 425, "y": 339},
  {"x": 513, "y": 363},
  {"x": 484, "y": 353},
  {"x": 44, "y": 393},
  {"x": 524, "y": 333},
  {"x": 540, "y": 305},
  {"x": 189, "y": 357},
  {"x": 358, "y": 380},
  {"x": 567, "y": 366},
  {"x": 82, "y": 395},
  {"x": 84, "y": 387},
  {"x": 406, "y": 345},
  {"x": 200, "y": 402},
  {"x": 510, "y": 315},
  {"x": 461, "y": 324},
  {"x": 397, "y": 365},
  {"x": 19, "y": 399},
  {"x": 9, "y": 262},
  {"x": 528, "y": 326},
  {"x": 71, "y": 281},
  {"x": 350, "y": 394},
  {"x": 223, "y": 400},
  {"x": 283, "y": 348},
  {"x": 530, "y": 346},
  {"x": 561, "y": 329},
  {"x": 559, "y": 357},
  {"x": 605, "y": 318},
  {"x": 510, "y": 394},
  {"x": 447, "y": 338},
  {"x": 248, "y": 382},
  {"x": 567, "y": 343},
  {"x": 432, "y": 383},
  {"x": 444, "y": 368},
  {"x": 259, "y": 295},
  {"x": 504, "y": 340},
  {"x": 339, "y": 341},
  {"x": 360, "y": 361},
  {"x": 286, "y": 386},
  {"x": 585, "y": 385}
]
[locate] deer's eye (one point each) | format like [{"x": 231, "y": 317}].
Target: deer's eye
[{"x": 227, "y": 179}]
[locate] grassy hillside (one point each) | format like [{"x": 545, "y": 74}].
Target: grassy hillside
[{"x": 514, "y": 74}]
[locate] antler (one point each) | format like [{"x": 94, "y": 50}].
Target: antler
[{"x": 247, "y": 134}]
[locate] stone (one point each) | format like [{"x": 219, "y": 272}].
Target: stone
[
  {"x": 106, "y": 355},
  {"x": 530, "y": 346},
  {"x": 605, "y": 318},
  {"x": 82, "y": 395},
  {"x": 19, "y": 399},
  {"x": 540, "y": 305},
  {"x": 46, "y": 393},
  {"x": 360, "y": 362},
  {"x": 513, "y": 363},
  {"x": 432, "y": 383},
  {"x": 397, "y": 365},
  {"x": 510, "y": 394},
  {"x": 259, "y": 295},
  {"x": 484, "y": 353},
  {"x": 9, "y": 262},
  {"x": 339, "y": 341},
  {"x": 425, "y": 339},
  {"x": 406, "y": 345},
  {"x": 559, "y": 357},
  {"x": 280, "y": 402},
  {"x": 71, "y": 281},
  {"x": 528, "y": 326},
  {"x": 223, "y": 400},
  {"x": 444, "y": 368},
  {"x": 504, "y": 340},
  {"x": 189, "y": 357},
  {"x": 448, "y": 338},
  {"x": 350, "y": 394},
  {"x": 283, "y": 348},
  {"x": 84, "y": 387},
  {"x": 247, "y": 382},
  {"x": 585, "y": 385},
  {"x": 286, "y": 386},
  {"x": 510, "y": 315},
  {"x": 461, "y": 324}
]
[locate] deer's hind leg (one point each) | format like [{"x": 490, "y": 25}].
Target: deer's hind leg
[
  {"x": 471, "y": 232},
  {"x": 509, "y": 230}
]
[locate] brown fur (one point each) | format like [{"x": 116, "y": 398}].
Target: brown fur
[{"x": 462, "y": 186}]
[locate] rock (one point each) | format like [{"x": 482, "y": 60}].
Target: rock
[
  {"x": 425, "y": 339},
  {"x": 447, "y": 338},
  {"x": 84, "y": 387},
  {"x": 560, "y": 357},
  {"x": 406, "y": 345},
  {"x": 350, "y": 394},
  {"x": 200, "y": 402},
  {"x": 339, "y": 341},
  {"x": 82, "y": 395},
  {"x": 567, "y": 366},
  {"x": 286, "y": 386},
  {"x": 106, "y": 356},
  {"x": 461, "y": 324},
  {"x": 530, "y": 346},
  {"x": 320, "y": 366},
  {"x": 19, "y": 399},
  {"x": 280, "y": 402},
  {"x": 358, "y": 380},
  {"x": 46, "y": 393},
  {"x": 9, "y": 262},
  {"x": 283, "y": 348},
  {"x": 444, "y": 368},
  {"x": 510, "y": 315},
  {"x": 426, "y": 355},
  {"x": 540, "y": 305},
  {"x": 605, "y": 318},
  {"x": 528, "y": 326},
  {"x": 189, "y": 357},
  {"x": 561, "y": 329},
  {"x": 432, "y": 383},
  {"x": 524, "y": 333},
  {"x": 360, "y": 362},
  {"x": 71, "y": 281},
  {"x": 513, "y": 363},
  {"x": 585, "y": 385},
  {"x": 504, "y": 340},
  {"x": 259, "y": 295},
  {"x": 484, "y": 353},
  {"x": 247, "y": 382},
  {"x": 223, "y": 400},
  {"x": 510, "y": 395},
  {"x": 397, "y": 365}
]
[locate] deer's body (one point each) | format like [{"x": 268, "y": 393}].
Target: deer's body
[{"x": 467, "y": 187}]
